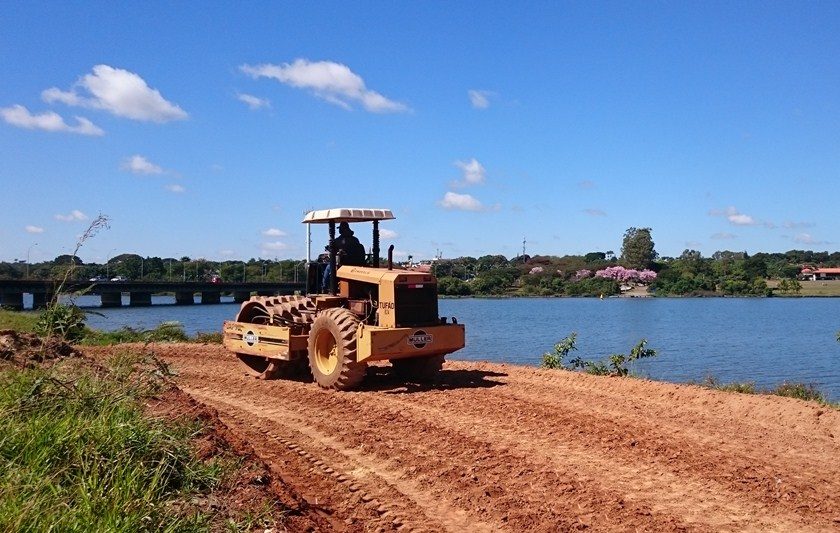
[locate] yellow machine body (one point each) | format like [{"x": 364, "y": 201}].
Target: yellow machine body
[
  {"x": 273, "y": 342},
  {"x": 375, "y": 343}
]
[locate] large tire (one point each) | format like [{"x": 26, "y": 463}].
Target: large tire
[
  {"x": 332, "y": 350},
  {"x": 420, "y": 369}
]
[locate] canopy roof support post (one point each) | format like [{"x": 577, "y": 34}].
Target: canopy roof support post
[
  {"x": 333, "y": 267},
  {"x": 375, "y": 244}
]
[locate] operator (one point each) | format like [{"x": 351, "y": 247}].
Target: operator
[{"x": 348, "y": 249}]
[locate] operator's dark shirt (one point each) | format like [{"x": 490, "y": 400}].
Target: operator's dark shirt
[{"x": 353, "y": 251}]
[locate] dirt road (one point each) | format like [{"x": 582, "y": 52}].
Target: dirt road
[{"x": 506, "y": 448}]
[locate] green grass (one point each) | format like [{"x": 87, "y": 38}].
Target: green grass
[
  {"x": 77, "y": 454},
  {"x": 166, "y": 332},
  {"x": 811, "y": 288},
  {"x": 802, "y": 391},
  {"x": 18, "y": 321}
]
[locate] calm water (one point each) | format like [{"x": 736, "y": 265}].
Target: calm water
[{"x": 765, "y": 340}]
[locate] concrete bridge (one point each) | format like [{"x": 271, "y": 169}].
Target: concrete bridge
[{"x": 140, "y": 292}]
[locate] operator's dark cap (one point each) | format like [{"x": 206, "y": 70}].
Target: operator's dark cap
[{"x": 343, "y": 226}]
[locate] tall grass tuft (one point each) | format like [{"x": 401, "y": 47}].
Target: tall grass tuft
[{"x": 78, "y": 455}]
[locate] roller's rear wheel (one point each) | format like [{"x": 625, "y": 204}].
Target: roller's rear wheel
[
  {"x": 422, "y": 369},
  {"x": 332, "y": 350}
]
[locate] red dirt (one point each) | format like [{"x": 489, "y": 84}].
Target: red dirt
[{"x": 506, "y": 448}]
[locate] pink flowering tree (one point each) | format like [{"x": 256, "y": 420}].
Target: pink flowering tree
[
  {"x": 626, "y": 275},
  {"x": 582, "y": 274}
]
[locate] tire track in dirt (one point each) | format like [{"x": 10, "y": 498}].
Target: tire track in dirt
[
  {"x": 356, "y": 466},
  {"x": 527, "y": 449},
  {"x": 486, "y": 476}
]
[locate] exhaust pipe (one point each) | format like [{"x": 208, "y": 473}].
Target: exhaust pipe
[{"x": 391, "y": 257}]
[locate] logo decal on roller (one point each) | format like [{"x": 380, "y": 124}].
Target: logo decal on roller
[
  {"x": 420, "y": 339},
  {"x": 250, "y": 338}
]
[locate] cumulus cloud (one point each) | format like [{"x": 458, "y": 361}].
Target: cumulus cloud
[
  {"x": 807, "y": 238},
  {"x": 388, "y": 234},
  {"x": 797, "y": 225},
  {"x": 34, "y": 229},
  {"x": 462, "y": 202},
  {"x": 253, "y": 102},
  {"x": 137, "y": 164},
  {"x": 174, "y": 187},
  {"x": 19, "y": 116},
  {"x": 734, "y": 217},
  {"x": 330, "y": 81},
  {"x": 723, "y": 236},
  {"x": 274, "y": 246},
  {"x": 74, "y": 216},
  {"x": 595, "y": 212},
  {"x": 479, "y": 99},
  {"x": 119, "y": 92},
  {"x": 472, "y": 173},
  {"x": 274, "y": 232}
]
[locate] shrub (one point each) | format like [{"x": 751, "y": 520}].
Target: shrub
[
  {"x": 64, "y": 321},
  {"x": 554, "y": 359},
  {"x": 799, "y": 390},
  {"x": 617, "y": 362}
]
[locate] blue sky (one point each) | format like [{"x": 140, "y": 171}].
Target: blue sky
[{"x": 207, "y": 129}]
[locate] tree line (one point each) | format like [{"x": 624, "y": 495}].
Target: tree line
[{"x": 593, "y": 274}]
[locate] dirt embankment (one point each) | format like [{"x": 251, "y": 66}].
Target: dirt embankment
[{"x": 506, "y": 448}]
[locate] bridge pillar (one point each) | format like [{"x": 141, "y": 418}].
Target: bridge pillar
[
  {"x": 211, "y": 297},
  {"x": 241, "y": 296},
  {"x": 41, "y": 299},
  {"x": 12, "y": 300},
  {"x": 111, "y": 299},
  {"x": 184, "y": 298},
  {"x": 139, "y": 299}
]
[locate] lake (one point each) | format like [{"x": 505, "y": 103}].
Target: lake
[{"x": 765, "y": 340}]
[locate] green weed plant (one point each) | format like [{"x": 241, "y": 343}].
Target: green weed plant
[{"x": 78, "y": 454}]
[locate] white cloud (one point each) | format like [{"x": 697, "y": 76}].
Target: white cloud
[
  {"x": 34, "y": 229},
  {"x": 463, "y": 202},
  {"x": 119, "y": 92},
  {"x": 796, "y": 225},
  {"x": 388, "y": 234},
  {"x": 595, "y": 212},
  {"x": 735, "y": 217},
  {"x": 73, "y": 216},
  {"x": 174, "y": 187},
  {"x": 252, "y": 101},
  {"x": 479, "y": 99},
  {"x": 723, "y": 236},
  {"x": 274, "y": 246},
  {"x": 274, "y": 232},
  {"x": 19, "y": 116},
  {"x": 472, "y": 173},
  {"x": 137, "y": 164},
  {"x": 331, "y": 81},
  {"x": 807, "y": 238}
]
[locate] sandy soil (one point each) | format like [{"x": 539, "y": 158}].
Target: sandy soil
[{"x": 506, "y": 448}]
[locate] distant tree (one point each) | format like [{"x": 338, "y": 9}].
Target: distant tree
[
  {"x": 592, "y": 257},
  {"x": 67, "y": 259},
  {"x": 637, "y": 248}
]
